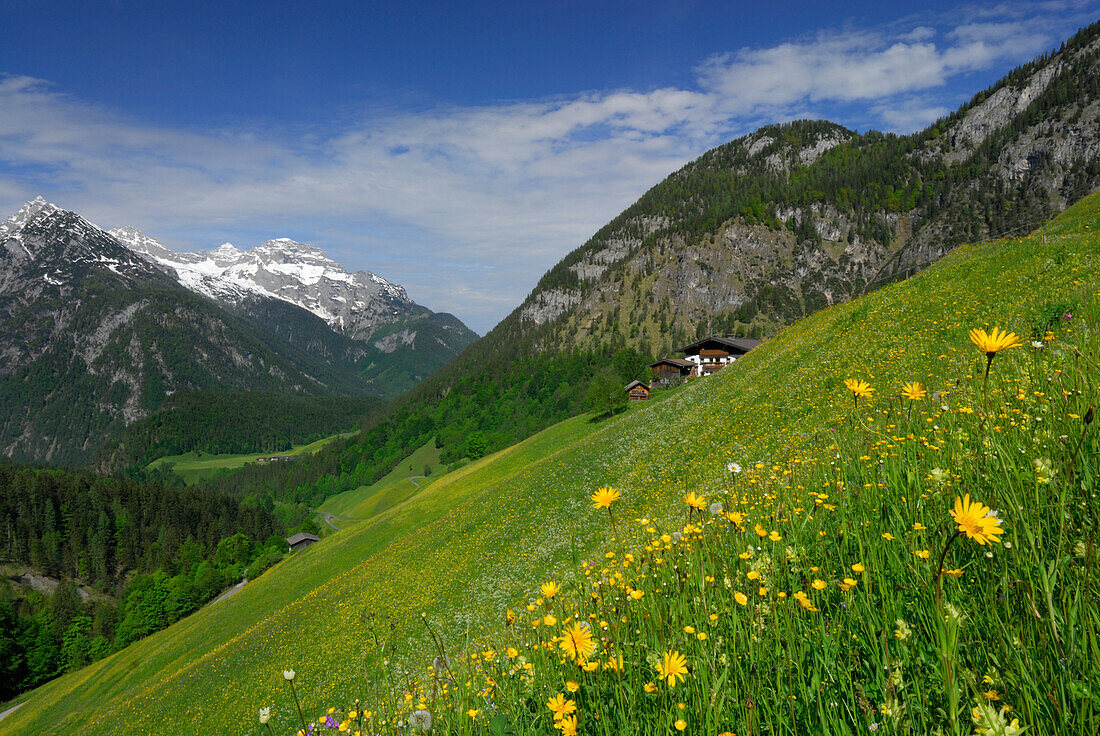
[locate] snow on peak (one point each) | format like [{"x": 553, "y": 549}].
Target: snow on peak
[
  {"x": 282, "y": 268},
  {"x": 25, "y": 214},
  {"x": 139, "y": 242}
]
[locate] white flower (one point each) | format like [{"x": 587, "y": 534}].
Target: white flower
[
  {"x": 420, "y": 720},
  {"x": 265, "y": 715},
  {"x": 733, "y": 467},
  {"x": 1036, "y": 344},
  {"x": 715, "y": 508},
  {"x": 288, "y": 675}
]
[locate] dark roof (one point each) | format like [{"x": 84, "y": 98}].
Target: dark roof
[
  {"x": 733, "y": 344},
  {"x": 301, "y": 537},
  {"x": 678, "y": 362},
  {"x": 632, "y": 384}
]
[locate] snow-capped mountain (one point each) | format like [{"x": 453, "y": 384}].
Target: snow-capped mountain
[
  {"x": 42, "y": 245},
  {"x": 94, "y": 337},
  {"x": 356, "y": 304}
]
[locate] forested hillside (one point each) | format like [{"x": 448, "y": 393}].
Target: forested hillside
[
  {"x": 124, "y": 559},
  {"x": 235, "y": 423}
]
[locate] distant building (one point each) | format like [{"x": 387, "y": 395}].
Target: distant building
[
  {"x": 671, "y": 371},
  {"x": 714, "y": 353},
  {"x": 637, "y": 391},
  {"x": 301, "y": 540},
  {"x": 276, "y": 459}
]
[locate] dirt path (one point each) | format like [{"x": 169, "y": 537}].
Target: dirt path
[
  {"x": 11, "y": 710},
  {"x": 329, "y": 520},
  {"x": 410, "y": 479},
  {"x": 232, "y": 591}
]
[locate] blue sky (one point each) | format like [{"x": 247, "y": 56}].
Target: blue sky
[{"x": 459, "y": 149}]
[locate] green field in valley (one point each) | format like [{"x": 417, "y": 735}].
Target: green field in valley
[
  {"x": 836, "y": 486},
  {"x": 192, "y": 467}
]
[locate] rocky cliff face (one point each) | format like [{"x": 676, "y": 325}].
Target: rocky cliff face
[{"x": 791, "y": 218}]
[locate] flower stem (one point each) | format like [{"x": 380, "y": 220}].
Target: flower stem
[
  {"x": 301, "y": 717},
  {"x": 939, "y": 572}
]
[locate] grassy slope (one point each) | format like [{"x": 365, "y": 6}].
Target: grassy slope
[
  {"x": 369, "y": 501},
  {"x": 478, "y": 539},
  {"x": 193, "y": 467}
]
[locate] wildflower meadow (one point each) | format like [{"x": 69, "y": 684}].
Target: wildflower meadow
[{"x": 880, "y": 520}]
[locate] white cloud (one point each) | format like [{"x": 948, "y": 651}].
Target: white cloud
[{"x": 468, "y": 206}]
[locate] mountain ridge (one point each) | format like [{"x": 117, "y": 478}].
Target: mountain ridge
[
  {"x": 745, "y": 239},
  {"x": 95, "y": 337},
  {"x": 356, "y": 303}
]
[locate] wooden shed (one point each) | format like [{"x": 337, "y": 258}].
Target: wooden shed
[
  {"x": 671, "y": 371},
  {"x": 301, "y": 540},
  {"x": 637, "y": 391}
]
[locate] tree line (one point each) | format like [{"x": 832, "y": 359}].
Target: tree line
[{"x": 125, "y": 558}]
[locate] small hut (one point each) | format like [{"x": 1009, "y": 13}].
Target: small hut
[
  {"x": 301, "y": 540},
  {"x": 637, "y": 391}
]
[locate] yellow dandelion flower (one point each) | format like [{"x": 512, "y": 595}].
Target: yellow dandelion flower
[
  {"x": 560, "y": 706},
  {"x": 603, "y": 498},
  {"x": 567, "y": 726},
  {"x": 577, "y": 642},
  {"x": 672, "y": 667},
  {"x": 650, "y": 687},
  {"x": 994, "y": 342},
  {"x": 741, "y": 598},
  {"x": 694, "y": 502},
  {"x": 858, "y": 567},
  {"x": 572, "y": 686},
  {"x": 860, "y": 389},
  {"x": 976, "y": 520},
  {"x": 550, "y": 589},
  {"x": 680, "y": 724},
  {"x": 819, "y": 584},
  {"x": 913, "y": 391}
]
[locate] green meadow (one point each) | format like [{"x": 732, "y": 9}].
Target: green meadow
[
  {"x": 192, "y": 467},
  {"x": 393, "y": 488},
  {"x": 833, "y": 486}
]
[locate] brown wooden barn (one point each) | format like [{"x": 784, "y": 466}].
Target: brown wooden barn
[
  {"x": 637, "y": 391},
  {"x": 671, "y": 371},
  {"x": 301, "y": 540}
]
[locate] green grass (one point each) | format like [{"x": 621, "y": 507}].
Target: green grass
[
  {"x": 398, "y": 485},
  {"x": 479, "y": 540},
  {"x": 192, "y": 467}
]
